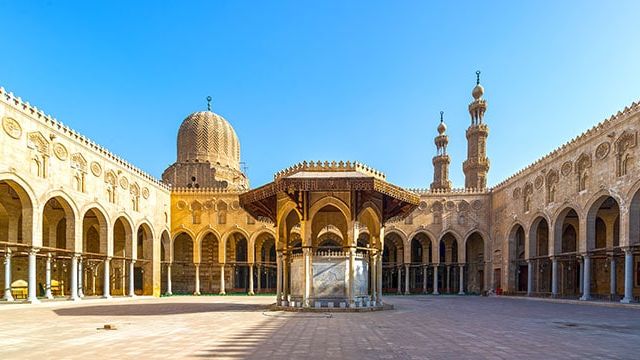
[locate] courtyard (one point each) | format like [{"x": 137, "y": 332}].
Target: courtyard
[{"x": 241, "y": 327}]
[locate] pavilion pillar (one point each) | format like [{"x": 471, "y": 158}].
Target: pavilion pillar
[
  {"x": 406, "y": 279},
  {"x": 279, "y": 278},
  {"x": 374, "y": 280},
  {"x": 80, "y": 278},
  {"x": 352, "y": 274},
  {"x": 461, "y": 292},
  {"x": 32, "y": 294},
  {"x": 628, "y": 277},
  {"x": 424, "y": 279},
  {"x": 306, "y": 253},
  {"x": 251, "y": 280},
  {"x": 222, "y": 291},
  {"x": 586, "y": 290},
  {"x": 435, "y": 280},
  {"x": 131, "y": 286},
  {"x": 581, "y": 282},
  {"x": 285, "y": 279},
  {"x": 169, "y": 285},
  {"x": 74, "y": 278},
  {"x": 529, "y": 278},
  {"x": 399, "y": 287},
  {"x": 48, "y": 294},
  {"x": 107, "y": 279},
  {"x": 613, "y": 283},
  {"x": 197, "y": 279},
  {"x": 554, "y": 276},
  {"x": 7, "y": 276}
]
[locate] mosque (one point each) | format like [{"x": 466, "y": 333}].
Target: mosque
[{"x": 78, "y": 221}]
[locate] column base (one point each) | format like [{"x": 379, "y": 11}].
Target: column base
[
  {"x": 33, "y": 301},
  {"x": 168, "y": 293},
  {"x": 77, "y": 298},
  {"x": 251, "y": 293},
  {"x": 435, "y": 293},
  {"x": 8, "y": 297},
  {"x": 585, "y": 298},
  {"x": 196, "y": 293},
  {"x": 49, "y": 296},
  {"x": 131, "y": 295},
  {"x": 222, "y": 293},
  {"x": 554, "y": 296},
  {"x": 106, "y": 296},
  {"x": 460, "y": 292},
  {"x": 627, "y": 301}
]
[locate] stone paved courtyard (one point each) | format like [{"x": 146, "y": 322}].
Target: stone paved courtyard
[{"x": 421, "y": 327}]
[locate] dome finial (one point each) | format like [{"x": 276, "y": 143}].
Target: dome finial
[
  {"x": 208, "y": 103},
  {"x": 441, "y": 116},
  {"x": 442, "y": 127},
  {"x": 478, "y": 77}
]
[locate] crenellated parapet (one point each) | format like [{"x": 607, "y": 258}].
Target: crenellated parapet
[{"x": 330, "y": 166}]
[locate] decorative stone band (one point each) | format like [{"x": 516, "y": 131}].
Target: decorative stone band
[{"x": 332, "y": 166}]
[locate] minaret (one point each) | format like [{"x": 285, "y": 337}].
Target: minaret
[
  {"x": 441, "y": 161},
  {"x": 477, "y": 164}
]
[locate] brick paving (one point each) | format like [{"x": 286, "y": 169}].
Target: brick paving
[{"x": 240, "y": 327}]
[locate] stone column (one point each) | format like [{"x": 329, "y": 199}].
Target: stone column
[
  {"x": 7, "y": 276},
  {"x": 613, "y": 283},
  {"x": 406, "y": 279},
  {"x": 222, "y": 291},
  {"x": 74, "y": 278},
  {"x": 628, "y": 277},
  {"x": 554, "y": 276},
  {"x": 306, "y": 254},
  {"x": 106, "y": 291},
  {"x": 424, "y": 279},
  {"x": 399, "y": 287},
  {"x": 586, "y": 291},
  {"x": 581, "y": 284},
  {"x": 448, "y": 278},
  {"x": 259, "y": 278},
  {"x": 251, "y": 280},
  {"x": 132, "y": 292},
  {"x": 80, "y": 278},
  {"x": 461, "y": 292},
  {"x": 32, "y": 297},
  {"x": 196, "y": 291},
  {"x": 529, "y": 278},
  {"x": 48, "y": 293},
  {"x": 379, "y": 278},
  {"x": 279, "y": 278},
  {"x": 435, "y": 280},
  {"x": 169, "y": 285}
]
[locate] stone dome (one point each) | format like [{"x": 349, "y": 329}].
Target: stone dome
[
  {"x": 442, "y": 127},
  {"x": 207, "y": 137}
]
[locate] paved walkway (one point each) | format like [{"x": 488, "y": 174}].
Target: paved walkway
[{"x": 421, "y": 327}]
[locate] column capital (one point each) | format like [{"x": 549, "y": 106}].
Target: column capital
[
  {"x": 627, "y": 250},
  {"x": 34, "y": 250}
]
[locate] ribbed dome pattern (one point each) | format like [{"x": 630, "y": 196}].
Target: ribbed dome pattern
[{"x": 207, "y": 137}]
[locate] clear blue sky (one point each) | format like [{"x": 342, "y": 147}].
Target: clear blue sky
[{"x": 326, "y": 80}]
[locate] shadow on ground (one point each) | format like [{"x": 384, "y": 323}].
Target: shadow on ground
[{"x": 157, "y": 309}]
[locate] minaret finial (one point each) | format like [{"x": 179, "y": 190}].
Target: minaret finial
[
  {"x": 478, "y": 77},
  {"x": 209, "y": 103},
  {"x": 441, "y": 116}
]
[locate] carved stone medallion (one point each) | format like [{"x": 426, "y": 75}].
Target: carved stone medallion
[
  {"x": 60, "y": 151},
  {"x": 516, "y": 193},
  {"x": 96, "y": 169},
  {"x": 566, "y": 168},
  {"x": 124, "y": 182},
  {"x": 423, "y": 206},
  {"x": 603, "y": 150},
  {"x": 476, "y": 205},
  {"x": 145, "y": 193},
  {"x": 538, "y": 182},
  {"x": 181, "y": 205},
  {"x": 12, "y": 127},
  {"x": 450, "y": 205}
]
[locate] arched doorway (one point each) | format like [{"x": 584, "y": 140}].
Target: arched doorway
[
  {"x": 566, "y": 231},
  {"x": 94, "y": 227},
  {"x": 183, "y": 270},
  {"x": 122, "y": 256},
  {"x": 448, "y": 270},
  {"x": 143, "y": 271},
  {"x": 266, "y": 269},
  {"x": 209, "y": 265},
  {"x": 475, "y": 264},
  {"x": 58, "y": 228},
  {"x": 392, "y": 263},
  {"x": 603, "y": 247},
  {"x": 421, "y": 274},
  {"x": 519, "y": 262},
  {"x": 165, "y": 263},
  {"x": 541, "y": 263},
  {"x": 237, "y": 258}
]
